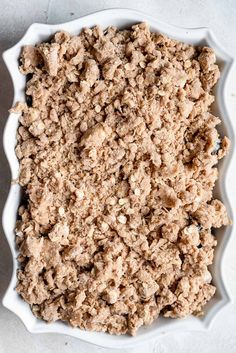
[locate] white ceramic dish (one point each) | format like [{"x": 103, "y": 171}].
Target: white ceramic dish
[{"x": 121, "y": 18}]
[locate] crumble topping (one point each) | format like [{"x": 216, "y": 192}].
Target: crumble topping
[{"x": 118, "y": 152}]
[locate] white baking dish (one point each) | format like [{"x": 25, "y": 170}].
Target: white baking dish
[{"x": 121, "y": 18}]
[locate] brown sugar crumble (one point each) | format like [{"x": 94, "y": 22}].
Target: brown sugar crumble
[{"x": 118, "y": 152}]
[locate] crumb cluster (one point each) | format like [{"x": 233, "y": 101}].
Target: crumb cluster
[{"x": 118, "y": 152}]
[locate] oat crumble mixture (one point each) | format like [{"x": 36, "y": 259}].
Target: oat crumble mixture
[{"x": 118, "y": 152}]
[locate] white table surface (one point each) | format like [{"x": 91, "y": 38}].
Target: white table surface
[{"x": 16, "y": 16}]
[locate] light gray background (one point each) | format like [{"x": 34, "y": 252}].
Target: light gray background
[{"x": 16, "y": 16}]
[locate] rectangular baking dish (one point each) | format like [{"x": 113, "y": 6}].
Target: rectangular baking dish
[{"x": 121, "y": 18}]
